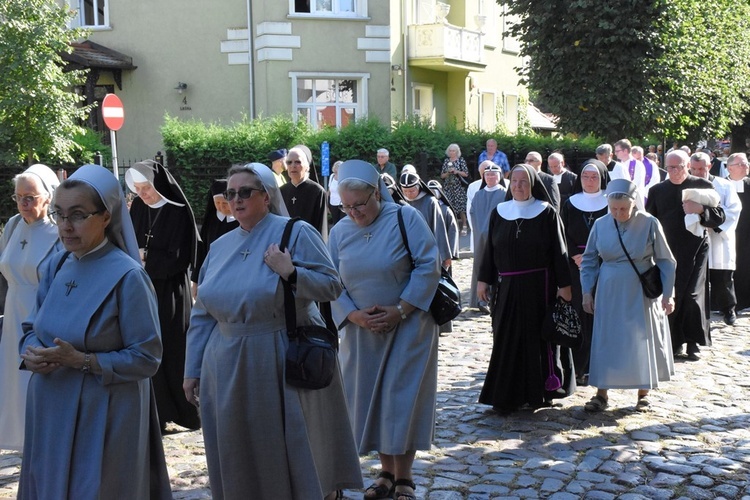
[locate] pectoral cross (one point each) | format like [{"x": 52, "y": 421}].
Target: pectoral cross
[
  {"x": 244, "y": 254},
  {"x": 294, "y": 200},
  {"x": 591, "y": 218},
  {"x": 71, "y": 285},
  {"x": 23, "y": 244},
  {"x": 148, "y": 237},
  {"x": 368, "y": 236}
]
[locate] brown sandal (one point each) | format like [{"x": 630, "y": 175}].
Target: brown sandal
[
  {"x": 376, "y": 491},
  {"x": 596, "y": 404}
]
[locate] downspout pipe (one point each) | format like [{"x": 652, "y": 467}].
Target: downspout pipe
[{"x": 250, "y": 61}]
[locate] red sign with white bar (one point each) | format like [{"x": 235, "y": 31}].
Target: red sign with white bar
[{"x": 113, "y": 112}]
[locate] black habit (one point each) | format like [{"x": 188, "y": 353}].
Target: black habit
[
  {"x": 307, "y": 200},
  {"x": 742, "y": 273},
  {"x": 690, "y": 320},
  {"x": 167, "y": 260}
]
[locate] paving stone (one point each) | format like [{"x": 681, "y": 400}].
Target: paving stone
[{"x": 695, "y": 444}]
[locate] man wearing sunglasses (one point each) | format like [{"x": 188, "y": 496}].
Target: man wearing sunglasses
[{"x": 303, "y": 197}]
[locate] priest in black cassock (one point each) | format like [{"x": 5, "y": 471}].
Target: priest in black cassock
[
  {"x": 689, "y": 323},
  {"x": 739, "y": 168},
  {"x": 303, "y": 197},
  {"x": 168, "y": 241}
]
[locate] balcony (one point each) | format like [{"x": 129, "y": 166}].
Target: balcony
[{"x": 443, "y": 47}]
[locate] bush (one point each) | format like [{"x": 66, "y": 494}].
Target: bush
[{"x": 198, "y": 152}]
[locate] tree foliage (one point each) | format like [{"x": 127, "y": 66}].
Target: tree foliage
[
  {"x": 39, "y": 113},
  {"x": 636, "y": 67}
]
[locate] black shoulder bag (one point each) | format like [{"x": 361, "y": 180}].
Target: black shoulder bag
[
  {"x": 446, "y": 304},
  {"x": 650, "y": 279},
  {"x": 311, "y": 355}
]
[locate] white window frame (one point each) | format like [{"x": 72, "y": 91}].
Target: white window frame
[
  {"x": 511, "y": 44},
  {"x": 483, "y": 112},
  {"x": 423, "y": 87},
  {"x": 81, "y": 17},
  {"x": 516, "y": 119},
  {"x": 360, "y": 107},
  {"x": 360, "y": 10}
]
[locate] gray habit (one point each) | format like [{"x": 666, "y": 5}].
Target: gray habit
[
  {"x": 631, "y": 347},
  {"x": 391, "y": 378},
  {"x": 95, "y": 436},
  {"x": 482, "y": 205},
  {"x": 429, "y": 207},
  {"x": 264, "y": 438}
]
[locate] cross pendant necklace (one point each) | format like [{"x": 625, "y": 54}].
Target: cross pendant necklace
[
  {"x": 518, "y": 227},
  {"x": 149, "y": 234},
  {"x": 245, "y": 253},
  {"x": 71, "y": 285},
  {"x": 368, "y": 236},
  {"x": 23, "y": 244},
  {"x": 294, "y": 200}
]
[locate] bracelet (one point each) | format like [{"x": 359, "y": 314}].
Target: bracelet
[
  {"x": 401, "y": 310},
  {"x": 86, "y": 368}
]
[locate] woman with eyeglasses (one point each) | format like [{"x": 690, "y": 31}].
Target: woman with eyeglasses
[
  {"x": 389, "y": 340},
  {"x": 92, "y": 345},
  {"x": 27, "y": 242},
  {"x": 263, "y": 437},
  {"x": 168, "y": 241}
]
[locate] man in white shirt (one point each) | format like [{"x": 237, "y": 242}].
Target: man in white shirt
[
  {"x": 722, "y": 254},
  {"x": 632, "y": 169}
]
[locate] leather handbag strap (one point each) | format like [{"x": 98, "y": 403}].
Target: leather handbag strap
[
  {"x": 617, "y": 228},
  {"x": 290, "y": 311},
  {"x": 402, "y": 228}
]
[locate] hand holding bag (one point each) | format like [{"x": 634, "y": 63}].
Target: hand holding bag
[
  {"x": 446, "y": 304},
  {"x": 562, "y": 326},
  {"x": 650, "y": 279},
  {"x": 311, "y": 355}
]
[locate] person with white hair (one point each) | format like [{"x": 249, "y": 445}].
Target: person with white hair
[
  {"x": 29, "y": 239},
  {"x": 535, "y": 160},
  {"x": 689, "y": 324},
  {"x": 564, "y": 178},
  {"x": 739, "y": 169},
  {"x": 722, "y": 256},
  {"x": 304, "y": 198},
  {"x": 384, "y": 165}
]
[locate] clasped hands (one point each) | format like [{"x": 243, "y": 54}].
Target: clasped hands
[
  {"x": 379, "y": 319},
  {"x": 48, "y": 359}
]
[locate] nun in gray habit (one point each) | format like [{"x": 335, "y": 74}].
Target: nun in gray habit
[
  {"x": 389, "y": 341},
  {"x": 263, "y": 437},
  {"x": 92, "y": 344}
]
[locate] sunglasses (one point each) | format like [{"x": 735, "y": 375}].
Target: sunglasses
[{"x": 243, "y": 193}]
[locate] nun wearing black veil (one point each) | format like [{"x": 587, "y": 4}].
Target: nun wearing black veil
[
  {"x": 526, "y": 261},
  {"x": 168, "y": 241},
  {"x": 578, "y": 214}
]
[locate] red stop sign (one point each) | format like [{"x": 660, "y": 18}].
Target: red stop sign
[{"x": 113, "y": 112}]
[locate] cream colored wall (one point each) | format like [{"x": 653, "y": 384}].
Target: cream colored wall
[{"x": 173, "y": 42}]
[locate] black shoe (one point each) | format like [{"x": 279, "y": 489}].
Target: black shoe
[
  {"x": 482, "y": 306},
  {"x": 693, "y": 357},
  {"x": 730, "y": 317},
  {"x": 678, "y": 351}
]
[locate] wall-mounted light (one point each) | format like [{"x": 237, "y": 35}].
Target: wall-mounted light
[
  {"x": 397, "y": 68},
  {"x": 181, "y": 87}
]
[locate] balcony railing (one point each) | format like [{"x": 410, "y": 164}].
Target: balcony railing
[{"x": 443, "y": 44}]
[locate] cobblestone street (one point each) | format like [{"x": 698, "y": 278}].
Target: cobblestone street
[{"x": 695, "y": 443}]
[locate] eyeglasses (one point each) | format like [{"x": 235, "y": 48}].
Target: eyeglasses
[
  {"x": 24, "y": 199},
  {"x": 675, "y": 167},
  {"x": 74, "y": 218},
  {"x": 243, "y": 193},
  {"x": 294, "y": 162},
  {"x": 358, "y": 207}
]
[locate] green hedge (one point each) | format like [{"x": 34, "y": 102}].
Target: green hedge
[{"x": 198, "y": 152}]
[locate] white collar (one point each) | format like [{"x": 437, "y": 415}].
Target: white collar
[
  {"x": 493, "y": 188},
  {"x": 512, "y": 210},
  {"x": 739, "y": 186},
  {"x": 97, "y": 247},
  {"x": 163, "y": 201},
  {"x": 589, "y": 202},
  {"x": 222, "y": 217},
  {"x": 421, "y": 195}
]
